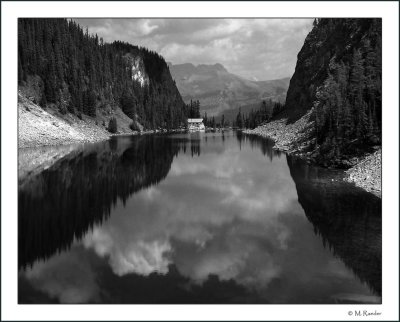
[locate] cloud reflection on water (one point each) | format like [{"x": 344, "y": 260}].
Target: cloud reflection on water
[
  {"x": 68, "y": 277},
  {"x": 234, "y": 215},
  {"x": 197, "y": 205}
]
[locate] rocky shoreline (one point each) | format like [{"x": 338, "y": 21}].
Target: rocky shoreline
[
  {"x": 38, "y": 127},
  {"x": 45, "y": 136},
  {"x": 290, "y": 138},
  {"x": 295, "y": 138},
  {"x": 367, "y": 173}
]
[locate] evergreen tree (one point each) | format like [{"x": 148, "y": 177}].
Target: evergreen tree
[
  {"x": 239, "y": 119},
  {"x": 112, "y": 125},
  {"x": 84, "y": 73}
]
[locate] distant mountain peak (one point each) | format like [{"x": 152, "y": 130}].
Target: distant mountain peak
[
  {"x": 216, "y": 66},
  {"x": 186, "y": 64},
  {"x": 220, "y": 67},
  {"x": 199, "y": 67}
]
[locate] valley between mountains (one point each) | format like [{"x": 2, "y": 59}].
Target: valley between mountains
[{"x": 83, "y": 89}]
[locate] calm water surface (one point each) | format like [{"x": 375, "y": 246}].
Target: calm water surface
[{"x": 195, "y": 218}]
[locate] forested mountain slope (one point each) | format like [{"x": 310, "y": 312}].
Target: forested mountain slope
[
  {"x": 338, "y": 74},
  {"x": 63, "y": 68}
]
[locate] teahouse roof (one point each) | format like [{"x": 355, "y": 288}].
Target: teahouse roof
[{"x": 195, "y": 120}]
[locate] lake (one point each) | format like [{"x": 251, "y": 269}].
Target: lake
[{"x": 195, "y": 218}]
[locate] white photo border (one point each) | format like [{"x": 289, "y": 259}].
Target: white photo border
[{"x": 387, "y": 10}]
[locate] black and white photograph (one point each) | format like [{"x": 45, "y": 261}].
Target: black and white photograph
[{"x": 185, "y": 160}]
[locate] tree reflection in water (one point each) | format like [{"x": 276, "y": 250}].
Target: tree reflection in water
[
  {"x": 63, "y": 202},
  {"x": 348, "y": 219},
  {"x": 251, "y": 212}
]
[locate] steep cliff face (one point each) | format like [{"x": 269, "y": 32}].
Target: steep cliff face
[
  {"x": 338, "y": 75},
  {"x": 331, "y": 41},
  {"x": 137, "y": 69}
]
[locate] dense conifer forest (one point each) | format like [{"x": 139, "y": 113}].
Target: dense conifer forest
[
  {"x": 79, "y": 73},
  {"x": 264, "y": 113},
  {"x": 193, "y": 109},
  {"x": 339, "y": 72}
]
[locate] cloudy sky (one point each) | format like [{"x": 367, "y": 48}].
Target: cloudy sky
[{"x": 253, "y": 48}]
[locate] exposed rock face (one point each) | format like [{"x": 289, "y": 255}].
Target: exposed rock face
[{"x": 137, "y": 69}]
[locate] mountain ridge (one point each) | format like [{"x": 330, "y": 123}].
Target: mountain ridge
[{"x": 220, "y": 91}]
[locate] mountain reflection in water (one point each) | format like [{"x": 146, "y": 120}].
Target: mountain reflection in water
[{"x": 195, "y": 218}]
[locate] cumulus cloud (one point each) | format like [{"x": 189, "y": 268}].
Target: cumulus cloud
[{"x": 252, "y": 48}]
